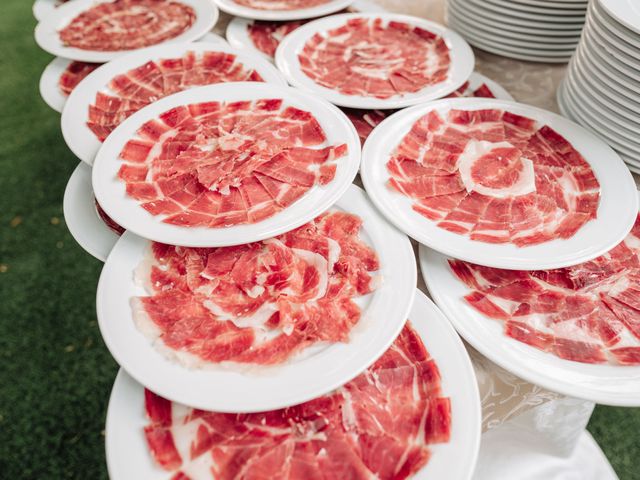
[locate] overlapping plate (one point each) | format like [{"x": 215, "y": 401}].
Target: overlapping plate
[
  {"x": 531, "y": 30},
  {"x": 602, "y": 87}
]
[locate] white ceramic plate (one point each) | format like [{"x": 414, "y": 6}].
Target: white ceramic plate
[
  {"x": 595, "y": 51},
  {"x": 126, "y": 211},
  {"x": 593, "y": 239},
  {"x": 500, "y": 25},
  {"x": 462, "y": 62},
  {"x": 616, "y": 56},
  {"x": 566, "y": 46},
  {"x": 238, "y": 35},
  {"x": 611, "y": 25},
  {"x": 82, "y": 141},
  {"x": 81, "y": 217},
  {"x": 46, "y": 33},
  {"x": 620, "y": 44},
  {"x": 237, "y": 10},
  {"x": 262, "y": 388},
  {"x": 50, "y": 91},
  {"x": 627, "y": 12},
  {"x": 544, "y": 8},
  {"x": 532, "y": 36},
  {"x": 43, "y": 8},
  {"x": 612, "y": 76},
  {"x": 506, "y": 10},
  {"x": 128, "y": 455},
  {"x": 595, "y": 123},
  {"x": 607, "y": 384},
  {"x": 573, "y": 4},
  {"x": 517, "y": 48},
  {"x": 483, "y": 12},
  {"x": 615, "y": 135}
]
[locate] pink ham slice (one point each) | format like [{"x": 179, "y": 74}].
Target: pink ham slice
[
  {"x": 588, "y": 313},
  {"x": 266, "y": 36},
  {"x": 216, "y": 164},
  {"x": 127, "y": 24},
  {"x": 74, "y": 74},
  {"x": 369, "y": 58},
  {"x": 133, "y": 90},
  {"x": 108, "y": 221},
  {"x": 261, "y": 302},
  {"x": 366, "y": 120},
  {"x": 379, "y": 425},
  {"x": 495, "y": 177},
  {"x": 280, "y": 4}
]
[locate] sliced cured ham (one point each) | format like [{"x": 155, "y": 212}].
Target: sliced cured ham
[
  {"x": 74, "y": 74},
  {"x": 280, "y": 5},
  {"x": 257, "y": 303},
  {"x": 587, "y": 313},
  {"x": 217, "y": 164},
  {"x": 266, "y": 36},
  {"x": 130, "y": 91},
  {"x": 379, "y": 425},
  {"x": 108, "y": 221},
  {"x": 495, "y": 177},
  {"x": 373, "y": 58},
  {"x": 366, "y": 120},
  {"x": 127, "y": 25}
]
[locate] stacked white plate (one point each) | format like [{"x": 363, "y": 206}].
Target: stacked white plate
[
  {"x": 534, "y": 30},
  {"x": 602, "y": 87}
]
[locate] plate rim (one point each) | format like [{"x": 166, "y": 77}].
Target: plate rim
[
  {"x": 464, "y": 248},
  {"x": 232, "y": 8}
]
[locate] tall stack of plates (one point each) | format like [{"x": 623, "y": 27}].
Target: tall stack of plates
[
  {"x": 535, "y": 30},
  {"x": 602, "y": 87}
]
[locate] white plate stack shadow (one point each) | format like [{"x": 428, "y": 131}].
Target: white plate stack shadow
[
  {"x": 602, "y": 88},
  {"x": 534, "y": 30}
]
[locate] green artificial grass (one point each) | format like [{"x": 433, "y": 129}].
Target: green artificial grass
[{"x": 56, "y": 374}]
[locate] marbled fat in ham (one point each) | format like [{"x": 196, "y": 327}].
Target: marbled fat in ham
[
  {"x": 586, "y": 313},
  {"x": 380, "y": 425},
  {"x": 128, "y": 92},
  {"x": 495, "y": 177},
  {"x": 218, "y": 164},
  {"x": 74, "y": 74},
  {"x": 257, "y": 303},
  {"x": 371, "y": 58},
  {"x": 127, "y": 25}
]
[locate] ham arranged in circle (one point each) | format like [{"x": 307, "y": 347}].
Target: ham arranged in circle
[
  {"x": 132, "y": 90},
  {"x": 74, "y": 74},
  {"x": 220, "y": 164},
  {"x": 257, "y": 303},
  {"x": 494, "y": 176},
  {"x": 127, "y": 25},
  {"x": 587, "y": 313},
  {"x": 379, "y": 425},
  {"x": 280, "y": 5},
  {"x": 370, "y": 57}
]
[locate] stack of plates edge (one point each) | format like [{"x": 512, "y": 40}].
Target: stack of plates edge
[
  {"x": 602, "y": 88},
  {"x": 533, "y": 30}
]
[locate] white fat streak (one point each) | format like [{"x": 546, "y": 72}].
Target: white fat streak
[
  {"x": 476, "y": 149},
  {"x": 334, "y": 253},
  {"x": 320, "y": 264}
]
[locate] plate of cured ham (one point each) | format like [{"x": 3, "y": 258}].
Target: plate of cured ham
[
  {"x": 281, "y": 10},
  {"x": 125, "y": 85},
  {"x": 413, "y": 413},
  {"x": 499, "y": 183},
  {"x": 375, "y": 60},
  {"x": 226, "y": 164},
  {"x": 101, "y": 30},
  {"x": 246, "y": 328},
  {"x": 89, "y": 225},
  {"x": 62, "y": 75},
  {"x": 477, "y": 86},
  {"x": 263, "y": 36},
  {"x": 574, "y": 330}
]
